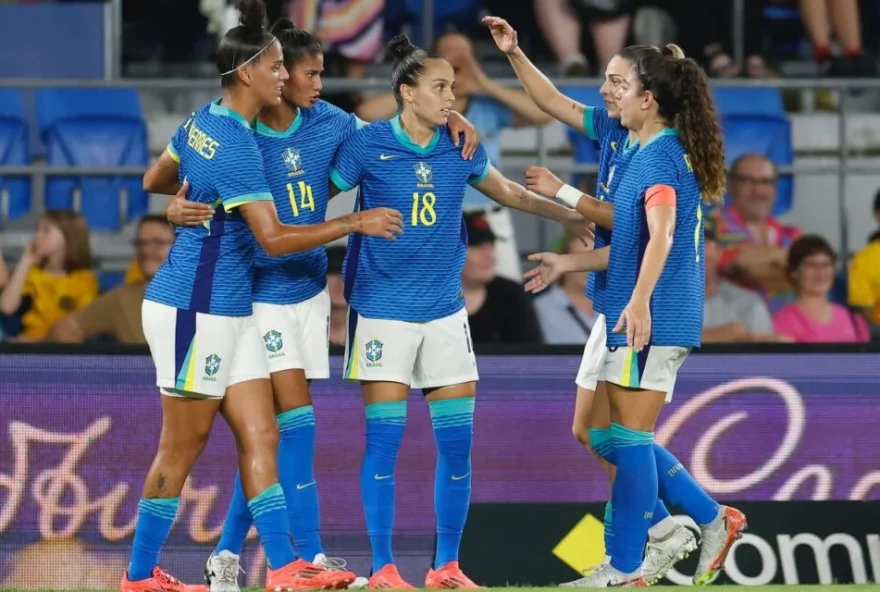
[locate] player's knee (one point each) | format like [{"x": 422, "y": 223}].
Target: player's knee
[{"x": 259, "y": 438}]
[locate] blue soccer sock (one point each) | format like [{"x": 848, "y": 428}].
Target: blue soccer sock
[
  {"x": 238, "y": 521},
  {"x": 681, "y": 490},
  {"x": 296, "y": 471},
  {"x": 385, "y": 426},
  {"x": 155, "y": 517},
  {"x": 453, "y": 422},
  {"x": 634, "y": 494},
  {"x": 661, "y": 513},
  {"x": 603, "y": 445},
  {"x": 270, "y": 515}
]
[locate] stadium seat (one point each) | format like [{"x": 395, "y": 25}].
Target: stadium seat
[
  {"x": 107, "y": 280},
  {"x": 15, "y": 192},
  {"x": 585, "y": 151},
  {"x": 754, "y": 121},
  {"x": 463, "y": 15},
  {"x": 95, "y": 127}
]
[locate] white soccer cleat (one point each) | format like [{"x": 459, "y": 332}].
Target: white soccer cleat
[
  {"x": 717, "y": 539},
  {"x": 221, "y": 572},
  {"x": 662, "y": 554},
  {"x": 605, "y": 576},
  {"x": 337, "y": 564}
]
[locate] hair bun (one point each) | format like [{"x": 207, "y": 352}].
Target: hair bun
[
  {"x": 673, "y": 50},
  {"x": 252, "y": 14},
  {"x": 283, "y": 26},
  {"x": 400, "y": 47}
]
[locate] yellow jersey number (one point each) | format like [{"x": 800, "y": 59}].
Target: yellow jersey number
[
  {"x": 306, "y": 200},
  {"x": 423, "y": 209}
]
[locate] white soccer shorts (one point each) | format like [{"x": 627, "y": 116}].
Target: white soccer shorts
[{"x": 296, "y": 336}]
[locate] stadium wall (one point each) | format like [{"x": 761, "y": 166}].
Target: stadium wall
[{"x": 77, "y": 432}]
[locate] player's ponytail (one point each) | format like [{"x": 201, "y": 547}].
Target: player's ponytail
[
  {"x": 684, "y": 101},
  {"x": 296, "y": 44},
  {"x": 697, "y": 121},
  {"x": 245, "y": 43},
  {"x": 409, "y": 65}
]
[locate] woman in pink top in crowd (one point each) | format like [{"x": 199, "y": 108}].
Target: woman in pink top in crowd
[{"x": 812, "y": 317}]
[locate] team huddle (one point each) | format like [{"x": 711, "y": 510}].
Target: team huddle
[{"x": 237, "y": 318}]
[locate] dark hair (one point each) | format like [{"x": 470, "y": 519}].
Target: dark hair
[
  {"x": 409, "y": 64},
  {"x": 78, "y": 251},
  {"x": 295, "y": 43},
  {"x": 633, "y": 53},
  {"x": 807, "y": 246},
  {"x": 154, "y": 219},
  {"x": 739, "y": 160},
  {"x": 877, "y": 202},
  {"x": 243, "y": 43},
  {"x": 681, "y": 90}
]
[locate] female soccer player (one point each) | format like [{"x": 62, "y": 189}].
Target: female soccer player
[
  {"x": 407, "y": 323},
  {"x": 297, "y": 139},
  {"x": 656, "y": 288},
  {"x": 669, "y": 542},
  {"x": 197, "y": 309}
]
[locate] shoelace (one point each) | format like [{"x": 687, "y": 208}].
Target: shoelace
[
  {"x": 229, "y": 570},
  {"x": 333, "y": 563},
  {"x": 166, "y": 578}
]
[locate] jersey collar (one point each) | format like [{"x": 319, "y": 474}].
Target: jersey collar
[
  {"x": 403, "y": 138},
  {"x": 220, "y": 110},
  {"x": 265, "y": 130},
  {"x": 667, "y": 131}
]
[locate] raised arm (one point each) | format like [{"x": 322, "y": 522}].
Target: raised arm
[
  {"x": 544, "y": 182},
  {"x": 545, "y": 95}
]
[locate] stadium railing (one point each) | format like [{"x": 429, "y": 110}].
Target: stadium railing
[{"x": 843, "y": 169}]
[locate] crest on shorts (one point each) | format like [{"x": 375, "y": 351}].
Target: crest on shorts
[
  {"x": 293, "y": 161},
  {"x": 273, "y": 341},
  {"x": 212, "y": 364},
  {"x": 374, "y": 350},
  {"x": 424, "y": 174}
]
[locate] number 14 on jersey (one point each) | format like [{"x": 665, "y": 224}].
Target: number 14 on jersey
[{"x": 306, "y": 200}]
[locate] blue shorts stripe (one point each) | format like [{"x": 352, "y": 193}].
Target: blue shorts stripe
[
  {"x": 641, "y": 362},
  {"x": 352, "y": 346},
  {"x": 184, "y": 334}
]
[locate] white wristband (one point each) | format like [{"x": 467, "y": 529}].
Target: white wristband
[{"x": 569, "y": 195}]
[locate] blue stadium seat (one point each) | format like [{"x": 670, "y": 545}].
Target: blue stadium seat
[
  {"x": 107, "y": 280},
  {"x": 94, "y": 127},
  {"x": 754, "y": 121},
  {"x": 463, "y": 15},
  {"x": 585, "y": 152},
  {"x": 14, "y": 151}
]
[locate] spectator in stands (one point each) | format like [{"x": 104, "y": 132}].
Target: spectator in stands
[
  {"x": 499, "y": 311},
  {"x": 812, "y": 317},
  {"x": 4, "y": 272},
  {"x": 733, "y": 314},
  {"x": 117, "y": 314},
  {"x": 754, "y": 244},
  {"x": 705, "y": 32},
  {"x": 864, "y": 276},
  {"x": 565, "y": 314},
  {"x": 560, "y": 23},
  {"x": 52, "y": 278},
  {"x": 490, "y": 107},
  {"x": 336, "y": 288},
  {"x": 843, "y": 18}
]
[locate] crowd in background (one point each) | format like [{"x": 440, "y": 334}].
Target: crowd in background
[{"x": 765, "y": 281}]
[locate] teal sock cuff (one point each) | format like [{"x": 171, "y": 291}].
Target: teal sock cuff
[
  {"x": 164, "y": 507},
  {"x": 267, "y": 500},
  {"x": 296, "y": 418},
  {"x": 450, "y": 413},
  {"x": 624, "y": 436},
  {"x": 608, "y": 513},
  {"x": 390, "y": 412}
]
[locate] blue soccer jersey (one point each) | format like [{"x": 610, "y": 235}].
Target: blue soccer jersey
[
  {"x": 417, "y": 277},
  {"x": 679, "y": 297},
  {"x": 297, "y": 163},
  {"x": 609, "y": 138},
  {"x": 210, "y": 268}
]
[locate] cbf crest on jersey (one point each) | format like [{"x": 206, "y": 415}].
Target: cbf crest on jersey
[
  {"x": 293, "y": 161},
  {"x": 424, "y": 175}
]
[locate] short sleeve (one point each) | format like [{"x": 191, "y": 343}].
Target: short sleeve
[
  {"x": 785, "y": 322},
  {"x": 657, "y": 170},
  {"x": 598, "y": 125},
  {"x": 348, "y": 166},
  {"x": 240, "y": 178},
  {"x": 178, "y": 140},
  {"x": 480, "y": 166}
]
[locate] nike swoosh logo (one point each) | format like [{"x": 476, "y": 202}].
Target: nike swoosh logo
[
  {"x": 379, "y": 477},
  {"x": 457, "y": 478},
  {"x": 304, "y": 485},
  {"x": 387, "y": 156}
]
